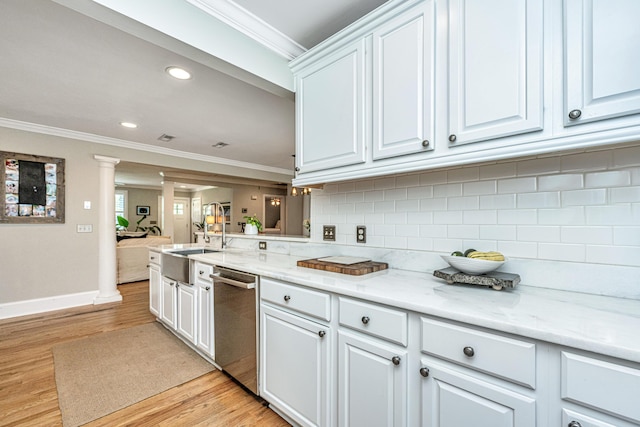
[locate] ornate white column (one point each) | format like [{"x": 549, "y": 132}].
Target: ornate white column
[{"x": 107, "y": 263}]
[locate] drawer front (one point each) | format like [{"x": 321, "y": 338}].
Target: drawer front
[
  {"x": 154, "y": 258},
  {"x": 510, "y": 359},
  {"x": 602, "y": 385},
  {"x": 203, "y": 271},
  {"x": 383, "y": 322},
  {"x": 302, "y": 300}
]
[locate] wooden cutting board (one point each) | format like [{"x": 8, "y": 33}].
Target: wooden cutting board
[{"x": 357, "y": 269}]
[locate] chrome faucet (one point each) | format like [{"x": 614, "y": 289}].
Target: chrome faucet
[{"x": 220, "y": 208}]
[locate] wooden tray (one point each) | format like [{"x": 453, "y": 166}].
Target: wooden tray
[{"x": 357, "y": 269}]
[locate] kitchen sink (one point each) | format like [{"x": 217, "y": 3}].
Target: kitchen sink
[{"x": 175, "y": 264}]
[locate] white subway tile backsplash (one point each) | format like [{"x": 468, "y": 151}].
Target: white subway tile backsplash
[
  {"x": 384, "y": 207},
  {"x": 364, "y": 185},
  {"x": 463, "y": 174},
  {"x": 498, "y": 232},
  {"x": 587, "y": 235},
  {"x": 354, "y": 197},
  {"x": 419, "y": 218},
  {"x": 609, "y": 215},
  {"x": 626, "y": 236},
  {"x": 347, "y": 208},
  {"x": 433, "y": 231},
  {"x": 366, "y": 207},
  {"x": 517, "y": 185},
  {"x": 502, "y": 201},
  {"x": 447, "y": 217},
  {"x": 374, "y": 196},
  {"x": 560, "y": 182},
  {"x": 432, "y": 178},
  {"x": 562, "y": 251},
  {"x": 477, "y": 188},
  {"x": 355, "y": 219},
  {"x": 518, "y": 249},
  {"x": 439, "y": 204},
  {"x": 463, "y": 231},
  {"x": 419, "y": 244},
  {"x": 572, "y": 215},
  {"x": 405, "y": 181},
  {"x": 463, "y": 203},
  {"x": 395, "y": 194},
  {"x": 411, "y": 205},
  {"x": 625, "y": 194},
  {"x": 480, "y": 217},
  {"x": 384, "y": 183},
  {"x": 395, "y": 242},
  {"x": 626, "y": 156},
  {"x": 346, "y": 187},
  {"x": 541, "y": 166},
  {"x": 499, "y": 170},
  {"x": 447, "y": 190},
  {"x": 595, "y": 160},
  {"x": 615, "y": 255},
  {"x": 395, "y": 218},
  {"x": 447, "y": 245},
  {"x": 422, "y": 192},
  {"x": 584, "y": 197},
  {"x": 338, "y": 198},
  {"x": 407, "y": 230},
  {"x": 384, "y": 230},
  {"x": 518, "y": 216},
  {"x": 538, "y": 233},
  {"x": 338, "y": 219},
  {"x": 607, "y": 179},
  {"x": 544, "y": 199}
]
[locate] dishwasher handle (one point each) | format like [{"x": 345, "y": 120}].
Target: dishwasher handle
[{"x": 244, "y": 285}]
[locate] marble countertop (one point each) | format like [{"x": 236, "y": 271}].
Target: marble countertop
[{"x": 606, "y": 325}]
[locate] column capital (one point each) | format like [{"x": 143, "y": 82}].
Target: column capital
[{"x": 105, "y": 159}]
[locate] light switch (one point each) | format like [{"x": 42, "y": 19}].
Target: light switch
[{"x": 84, "y": 228}]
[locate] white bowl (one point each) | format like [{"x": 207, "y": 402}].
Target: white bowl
[{"x": 471, "y": 265}]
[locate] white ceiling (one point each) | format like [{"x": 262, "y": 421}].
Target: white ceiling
[{"x": 64, "y": 69}]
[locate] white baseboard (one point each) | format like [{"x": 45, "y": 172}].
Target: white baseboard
[{"x": 42, "y": 305}]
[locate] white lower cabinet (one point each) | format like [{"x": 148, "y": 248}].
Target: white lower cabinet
[
  {"x": 450, "y": 398},
  {"x": 155, "y": 283},
  {"x": 169, "y": 303},
  {"x": 187, "y": 311},
  {"x": 204, "y": 286},
  {"x": 372, "y": 385}
]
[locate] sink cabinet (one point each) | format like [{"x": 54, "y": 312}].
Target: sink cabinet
[{"x": 169, "y": 301}]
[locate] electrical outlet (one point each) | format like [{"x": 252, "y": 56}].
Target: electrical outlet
[
  {"x": 329, "y": 233},
  {"x": 262, "y": 245},
  {"x": 361, "y": 234}
]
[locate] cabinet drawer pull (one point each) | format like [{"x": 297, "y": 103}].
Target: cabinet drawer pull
[
  {"x": 574, "y": 424},
  {"x": 468, "y": 351},
  {"x": 321, "y": 334},
  {"x": 425, "y": 143},
  {"x": 365, "y": 319},
  {"x": 575, "y": 114},
  {"x": 153, "y": 257},
  {"x": 452, "y": 138},
  {"x": 424, "y": 372},
  {"x": 207, "y": 288},
  {"x": 287, "y": 297},
  {"x": 201, "y": 272},
  {"x": 395, "y": 360}
]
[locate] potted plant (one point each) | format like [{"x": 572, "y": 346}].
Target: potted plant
[
  {"x": 123, "y": 223},
  {"x": 253, "y": 224}
]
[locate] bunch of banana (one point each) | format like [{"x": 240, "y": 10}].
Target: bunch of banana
[{"x": 489, "y": 256}]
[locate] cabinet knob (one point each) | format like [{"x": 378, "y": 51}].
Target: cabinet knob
[
  {"x": 153, "y": 257},
  {"x": 468, "y": 351},
  {"x": 321, "y": 334},
  {"x": 574, "y": 424},
  {"x": 297, "y": 169},
  {"x": 574, "y": 114},
  {"x": 177, "y": 285},
  {"x": 207, "y": 288},
  {"x": 425, "y": 143},
  {"x": 365, "y": 319},
  {"x": 171, "y": 284},
  {"x": 452, "y": 138},
  {"x": 201, "y": 272},
  {"x": 287, "y": 297},
  {"x": 424, "y": 372},
  {"x": 148, "y": 265},
  {"x": 395, "y": 360}
]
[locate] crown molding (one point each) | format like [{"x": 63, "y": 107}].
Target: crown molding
[
  {"x": 98, "y": 139},
  {"x": 250, "y": 25}
]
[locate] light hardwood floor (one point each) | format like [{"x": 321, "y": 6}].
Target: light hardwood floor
[{"x": 28, "y": 395}]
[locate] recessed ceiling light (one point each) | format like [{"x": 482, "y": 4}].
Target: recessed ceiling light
[
  {"x": 129, "y": 125},
  {"x": 178, "y": 73}
]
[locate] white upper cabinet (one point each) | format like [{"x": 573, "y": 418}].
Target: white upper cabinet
[
  {"x": 330, "y": 110},
  {"x": 495, "y": 69},
  {"x": 403, "y": 83},
  {"x": 602, "y": 60}
]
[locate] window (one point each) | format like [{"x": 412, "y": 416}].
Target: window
[
  {"x": 121, "y": 204},
  {"x": 178, "y": 208}
]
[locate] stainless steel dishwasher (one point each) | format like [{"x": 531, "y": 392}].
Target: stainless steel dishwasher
[{"x": 235, "y": 325}]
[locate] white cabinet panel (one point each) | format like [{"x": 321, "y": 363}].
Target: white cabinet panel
[
  {"x": 403, "y": 83},
  {"x": 601, "y": 59},
  {"x": 495, "y": 66},
  {"x": 330, "y": 116},
  {"x": 155, "y": 284},
  {"x": 453, "y": 399},
  {"x": 295, "y": 366},
  {"x": 205, "y": 318},
  {"x": 169, "y": 303},
  {"x": 187, "y": 312}
]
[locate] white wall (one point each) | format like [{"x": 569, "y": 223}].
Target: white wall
[{"x": 581, "y": 209}]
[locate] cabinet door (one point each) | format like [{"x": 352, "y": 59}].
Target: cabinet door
[
  {"x": 155, "y": 283},
  {"x": 295, "y": 366},
  {"x": 372, "y": 382},
  {"x": 205, "y": 319},
  {"x": 168, "y": 301},
  {"x": 495, "y": 69},
  {"x": 602, "y": 39},
  {"x": 187, "y": 311},
  {"x": 403, "y": 82},
  {"x": 452, "y": 399},
  {"x": 330, "y": 111}
]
